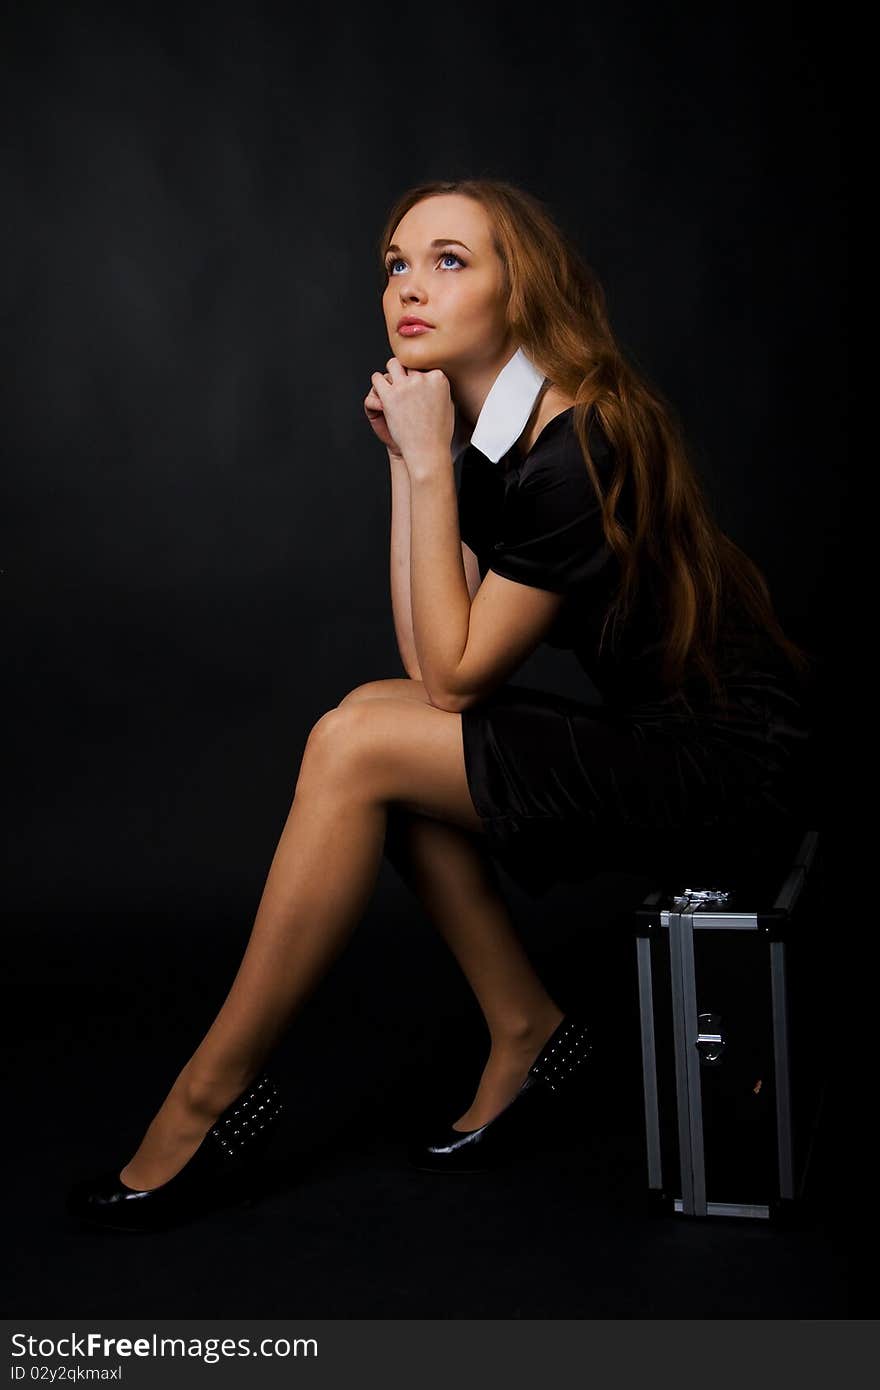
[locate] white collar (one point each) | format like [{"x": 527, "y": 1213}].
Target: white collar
[{"x": 506, "y": 409}]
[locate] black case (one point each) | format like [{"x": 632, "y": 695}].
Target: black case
[{"x": 733, "y": 1066}]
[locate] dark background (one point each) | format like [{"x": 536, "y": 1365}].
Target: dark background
[{"x": 195, "y": 558}]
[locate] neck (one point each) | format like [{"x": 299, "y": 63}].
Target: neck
[{"x": 470, "y": 387}]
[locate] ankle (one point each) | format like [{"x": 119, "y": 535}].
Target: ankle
[
  {"x": 208, "y": 1094},
  {"x": 521, "y": 1034}
]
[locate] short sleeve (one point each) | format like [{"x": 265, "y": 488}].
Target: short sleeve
[{"x": 550, "y": 532}]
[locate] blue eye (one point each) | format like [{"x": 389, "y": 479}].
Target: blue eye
[{"x": 444, "y": 256}]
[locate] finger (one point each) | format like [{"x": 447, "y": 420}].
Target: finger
[
  {"x": 396, "y": 369},
  {"x": 371, "y": 401},
  {"x": 372, "y": 392},
  {"x": 380, "y": 384}
]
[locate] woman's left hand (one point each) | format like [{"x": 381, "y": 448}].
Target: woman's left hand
[{"x": 419, "y": 413}]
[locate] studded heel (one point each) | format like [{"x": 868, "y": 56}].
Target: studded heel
[
  {"x": 552, "y": 1074},
  {"x": 562, "y": 1055},
  {"x": 219, "y": 1172}
]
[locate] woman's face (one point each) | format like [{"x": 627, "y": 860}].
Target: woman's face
[{"x": 444, "y": 269}]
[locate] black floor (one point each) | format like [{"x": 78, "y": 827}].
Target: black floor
[{"x": 104, "y": 1014}]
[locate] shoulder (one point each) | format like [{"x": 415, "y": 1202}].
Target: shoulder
[{"x": 557, "y": 457}]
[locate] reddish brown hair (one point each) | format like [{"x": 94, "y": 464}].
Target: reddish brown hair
[{"x": 556, "y": 311}]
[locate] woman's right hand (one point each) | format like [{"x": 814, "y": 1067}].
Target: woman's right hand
[{"x": 376, "y": 416}]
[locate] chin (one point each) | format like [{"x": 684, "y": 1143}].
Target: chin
[{"x": 421, "y": 358}]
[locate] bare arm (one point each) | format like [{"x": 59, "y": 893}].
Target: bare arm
[
  {"x": 401, "y": 594},
  {"x": 456, "y": 635},
  {"x": 401, "y": 605},
  {"x": 466, "y": 644}
]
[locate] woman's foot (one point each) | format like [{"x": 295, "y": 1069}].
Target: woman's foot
[
  {"x": 505, "y": 1071},
  {"x": 177, "y": 1130},
  {"x": 222, "y": 1168}
]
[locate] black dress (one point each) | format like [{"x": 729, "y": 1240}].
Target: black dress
[{"x": 566, "y": 787}]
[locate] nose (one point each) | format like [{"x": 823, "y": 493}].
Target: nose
[{"x": 412, "y": 294}]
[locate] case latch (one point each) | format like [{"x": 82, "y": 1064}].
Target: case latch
[
  {"x": 696, "y": 897},
  {"x": 710, "y": 1039}
]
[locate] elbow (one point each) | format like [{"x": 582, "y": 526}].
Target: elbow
[
  {"x": 454, "y": 696},
  {"x": 443, "y": 700},
  {"x": 453, "y": 702}
]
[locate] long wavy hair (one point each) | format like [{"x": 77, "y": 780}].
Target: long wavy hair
[{"x": 556, "y": 311}]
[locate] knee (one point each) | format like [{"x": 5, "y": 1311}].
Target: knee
[
  {"x": 336, "y": 738},
  {"x": 327, "y": 732}
]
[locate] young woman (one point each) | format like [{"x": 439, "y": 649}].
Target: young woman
[{"x": 579, "y": 521}]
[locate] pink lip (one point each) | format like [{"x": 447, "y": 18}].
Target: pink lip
[{"x": 411, "y": 330}]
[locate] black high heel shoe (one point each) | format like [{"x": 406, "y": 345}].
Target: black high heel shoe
[
  {"x": 550, "y": 1075},
  {"x": 219, "y": 1172}
]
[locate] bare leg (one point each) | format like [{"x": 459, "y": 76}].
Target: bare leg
[
  {"x": 357, "y": 761},
  {"x": 457, "y": 886},
  {"x": 318, "y": 886},
  {"x": 456, "y": 882}
]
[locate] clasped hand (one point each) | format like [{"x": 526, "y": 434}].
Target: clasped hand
[{"x": 418, "y": 411}]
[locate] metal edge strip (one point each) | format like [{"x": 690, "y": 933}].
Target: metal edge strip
[{"x": 649, "y": 1062}]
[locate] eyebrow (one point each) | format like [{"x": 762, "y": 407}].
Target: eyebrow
[{"x": 438, "y": 241}]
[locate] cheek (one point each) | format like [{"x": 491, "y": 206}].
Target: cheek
[{"x": 477, "y": 305}]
